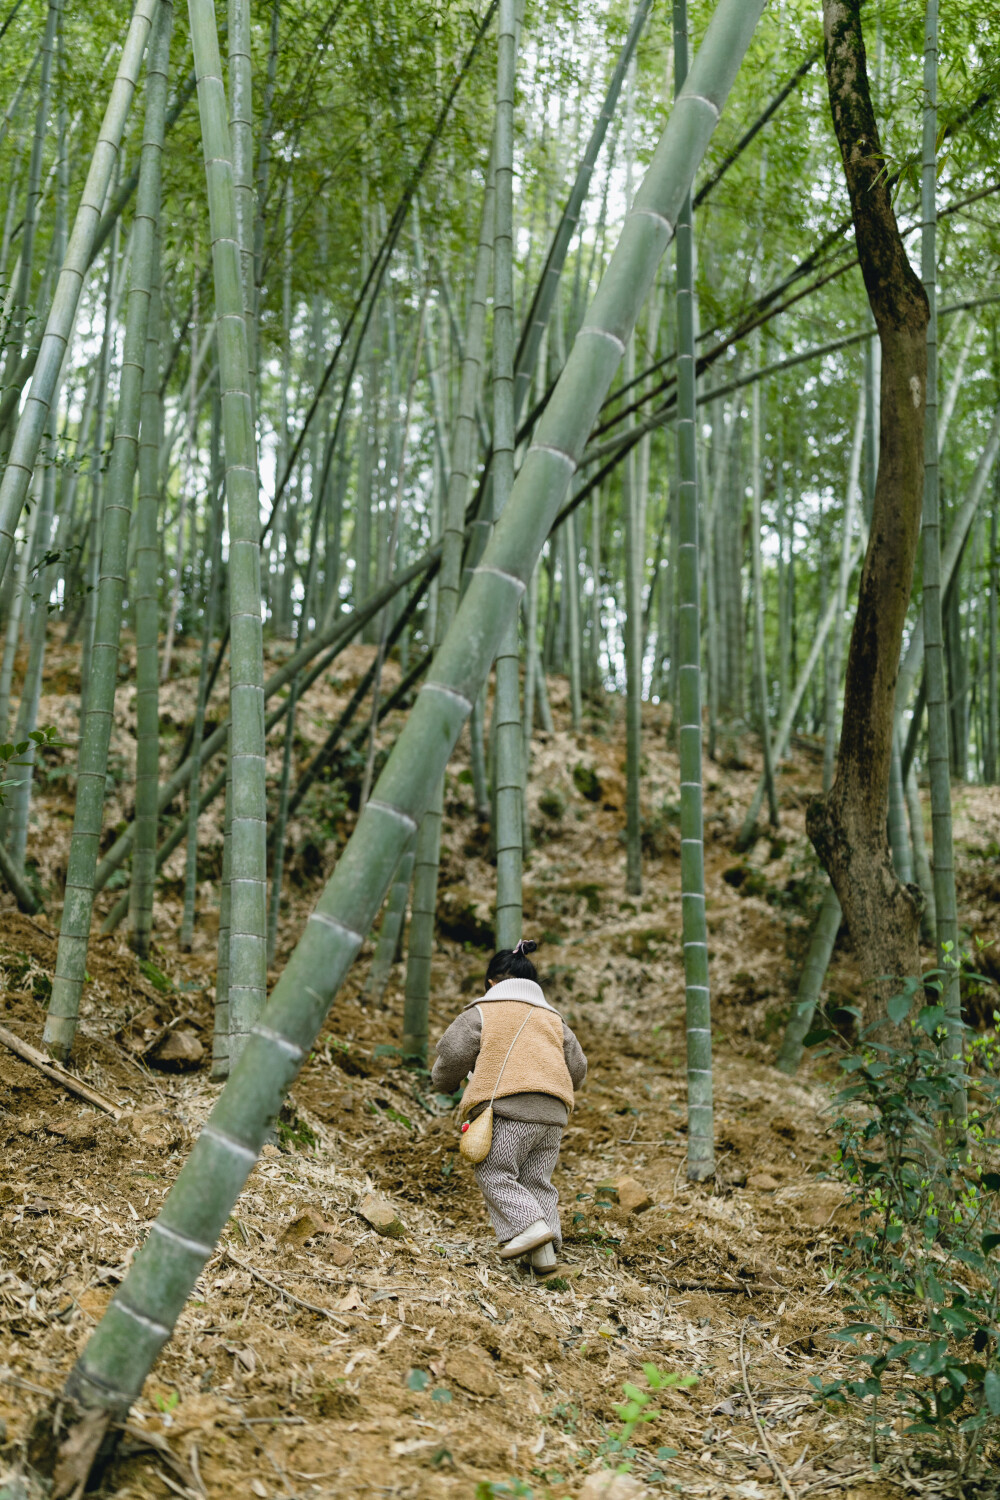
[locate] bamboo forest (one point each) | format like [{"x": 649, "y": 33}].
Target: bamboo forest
[{"x": 499, "y": 514}]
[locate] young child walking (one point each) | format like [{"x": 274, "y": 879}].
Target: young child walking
[{"x": 518, "y": 1053}]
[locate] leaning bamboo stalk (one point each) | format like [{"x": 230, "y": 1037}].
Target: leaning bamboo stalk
[
  {"x": 389, "y": 933},
  {"x": 824, "y": 935},
  {"x": 326, "y": 645},
  {"x": 248, "y": 886},
  {"x": 62, "y": 314},
  {"x": 173, "y": 841},
  {"x": 176, "y": 835},
  {"x": 95, "y": 739},
  {"x": 112, "y": 1367},
  {"x": 109, "y": 222},
  {"x": 543, "y": 301},
  {"x": 373, "y": 284},
  {"x": 598, "y": 451},
  {"x": 958, "y": 533}
]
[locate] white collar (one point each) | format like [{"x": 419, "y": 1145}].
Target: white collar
[{"x": 525, "y": 990}]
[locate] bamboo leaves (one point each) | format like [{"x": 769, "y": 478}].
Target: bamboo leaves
[
  {"x": 62, "y": 314},
  {"x": 701, "y": 1144}
]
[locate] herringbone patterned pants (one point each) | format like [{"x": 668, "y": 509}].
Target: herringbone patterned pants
[{"x": 516, "y": 1177}]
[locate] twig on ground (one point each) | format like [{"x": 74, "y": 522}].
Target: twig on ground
[
  {"x": 778, "y": 1470},
  {"x": 153, "y": 1442},
  {"x": 268, "y": 1421},
  {"x": 313, "y": 1307},
  {"x": 718, "y": 1286},
  {"x": 29, "y": 1054}
]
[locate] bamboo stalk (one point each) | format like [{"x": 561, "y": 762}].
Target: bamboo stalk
[
  {"x": 74, "y": 931},
  {"x": 248, "y": 883},
  {"x": 698, "y": 1023},
  {"x": 937, "y": 726},
  {"x": 147, "y": 562},
  {"x": 509, "y": 785}
]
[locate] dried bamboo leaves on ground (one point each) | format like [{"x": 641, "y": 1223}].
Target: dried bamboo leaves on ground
[{"x": 325, "y": 1356}]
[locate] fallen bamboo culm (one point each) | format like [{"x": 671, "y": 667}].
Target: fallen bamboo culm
[{"x": 29, "y": 1054}]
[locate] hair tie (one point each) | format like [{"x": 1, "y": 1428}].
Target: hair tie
[{"x": 519, "y": 946}]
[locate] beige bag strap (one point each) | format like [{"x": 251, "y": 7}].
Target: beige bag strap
[{"x": 509, "y": 1051}]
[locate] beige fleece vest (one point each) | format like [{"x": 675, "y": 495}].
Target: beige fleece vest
[{"x": 537, "y": 1065}]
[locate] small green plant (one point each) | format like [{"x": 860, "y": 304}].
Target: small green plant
[
  {"x": 294, "y": 1133},
  {"x": 638, "y": 1409},
  {"x": 922, "y": 1271},
  {"x": 42, "y": 739},
  {"x": 499, "y": 1489},
  {"x": 156, "y": 977},
  {"x": 391, "y": 1113},
  {"x": 567, "y": 1414},
  {"x": 167, "y": 1403}
]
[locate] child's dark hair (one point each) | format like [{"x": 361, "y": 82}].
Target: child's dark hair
[{"x": 513, "y": 963}]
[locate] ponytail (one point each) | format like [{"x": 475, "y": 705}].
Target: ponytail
[{"x": 513, "y": 963}]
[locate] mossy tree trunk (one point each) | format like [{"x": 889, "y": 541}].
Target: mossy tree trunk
[{"x": 848, "y": 825}]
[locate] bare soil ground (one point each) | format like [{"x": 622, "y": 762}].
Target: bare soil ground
[{"x": 318, "y": 1358}]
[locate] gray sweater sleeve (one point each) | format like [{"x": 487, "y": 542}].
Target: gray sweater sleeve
[
  {"x": 457, "y": 1051},
  {"x": 574, "y": 1055}
]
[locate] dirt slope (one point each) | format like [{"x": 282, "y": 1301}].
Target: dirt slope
[{"x": 422, "y": 1366}]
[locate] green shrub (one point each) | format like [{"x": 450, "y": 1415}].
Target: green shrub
[
  {"x": 552, "y": 804},
  {"x": 922, "y": 1271},
  {"x": 587, "y": 783}
]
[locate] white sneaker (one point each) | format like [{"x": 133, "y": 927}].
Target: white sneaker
[
  {"x": 544, "y": 1258},
  {"x": 531, "y": 1238}
]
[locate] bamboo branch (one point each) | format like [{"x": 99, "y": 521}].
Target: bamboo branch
[{"x": 16, "y": 884}]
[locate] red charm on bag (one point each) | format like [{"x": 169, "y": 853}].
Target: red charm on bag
[{"x": 465, "y": 1127}]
